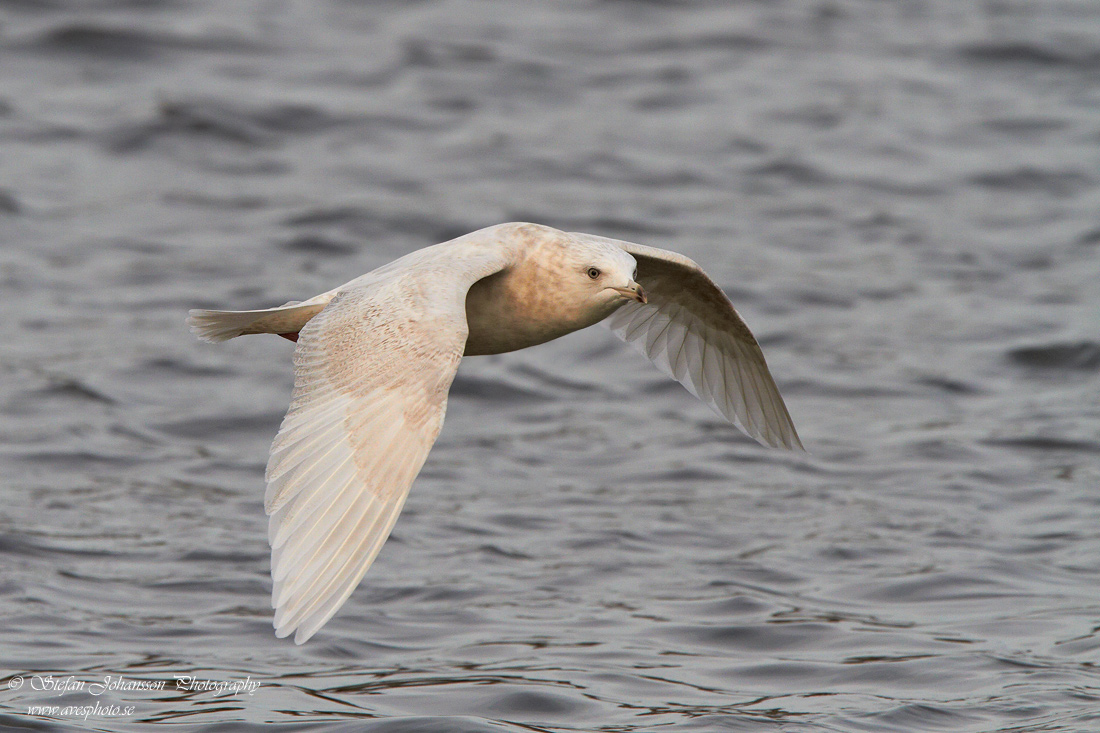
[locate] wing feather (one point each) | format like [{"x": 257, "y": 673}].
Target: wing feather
[
  {"x": 697, "y": 365},
  {"x": 638, "y": 321},
  {"x": 713, "y": 375},
  {"x": 372, "y": 372}
]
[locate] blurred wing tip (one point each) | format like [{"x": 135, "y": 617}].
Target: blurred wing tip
[
  {"x": 284, "y": 628},
  {"x": 784, "y": 440},
  {"x": 791, "y": 443}
]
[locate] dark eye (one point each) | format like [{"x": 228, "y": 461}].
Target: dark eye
[{"x": 593, "y": 273}]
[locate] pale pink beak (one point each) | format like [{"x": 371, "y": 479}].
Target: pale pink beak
[{"x": 633, "y": 291}]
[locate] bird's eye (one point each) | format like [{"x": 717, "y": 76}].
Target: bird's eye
[{"x": 593, "y": 273}]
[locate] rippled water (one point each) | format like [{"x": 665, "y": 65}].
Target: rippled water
[{"x": 901, "y": 197}]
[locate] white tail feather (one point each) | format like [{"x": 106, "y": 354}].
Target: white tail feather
[{"x": 215, "y": 326}]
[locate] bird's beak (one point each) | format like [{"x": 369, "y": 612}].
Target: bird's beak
[{"x": 633, "y": 291}]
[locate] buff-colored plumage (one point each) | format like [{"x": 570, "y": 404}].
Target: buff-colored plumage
[{"x": 375, "y": 360}]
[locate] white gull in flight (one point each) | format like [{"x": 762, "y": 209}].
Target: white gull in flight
[{"x": 375, "y": 359}]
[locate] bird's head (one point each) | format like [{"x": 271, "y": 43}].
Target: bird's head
[
  {"x": 604, "y": 272},
  {"x": 577, "y": 280}
]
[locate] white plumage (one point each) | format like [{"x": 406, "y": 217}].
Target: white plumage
[{"x": 375, "y": 360}]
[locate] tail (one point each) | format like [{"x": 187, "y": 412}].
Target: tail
[{"x": 215, "y": 326}]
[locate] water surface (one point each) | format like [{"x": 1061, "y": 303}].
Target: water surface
[{"x": 900, "y": 197}]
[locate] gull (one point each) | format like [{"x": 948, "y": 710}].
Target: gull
[{"x": 374, "y": 360}]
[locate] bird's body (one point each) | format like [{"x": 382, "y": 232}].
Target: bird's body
[{"x": 375, "y": 359}]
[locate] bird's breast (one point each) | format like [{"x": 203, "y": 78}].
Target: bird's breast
[{"x": 512, "y": 310}]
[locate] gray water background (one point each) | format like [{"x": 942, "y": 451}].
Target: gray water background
[{"x": 901, "y": 198}]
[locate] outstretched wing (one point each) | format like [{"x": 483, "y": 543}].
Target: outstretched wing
[
  {"x": 692, "y": 332},
  {"x": 371, "y": 376}
]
